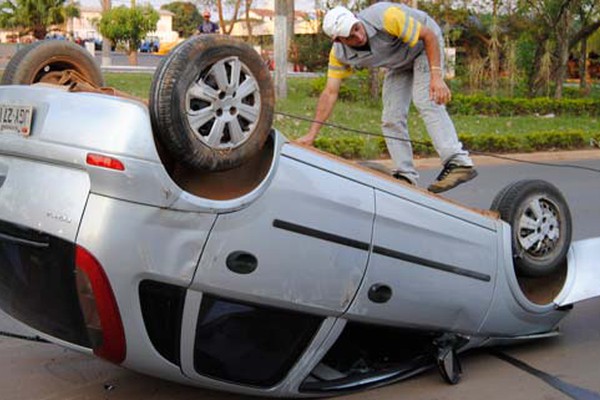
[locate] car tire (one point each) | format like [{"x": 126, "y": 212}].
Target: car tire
[
  {"x": 541, "y": 226},
  {"x": 200, "y": 115},
  {"x": 44, "y": 61},
  {"x": 498, "y": 198}
]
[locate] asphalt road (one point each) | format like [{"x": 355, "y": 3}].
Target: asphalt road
[
  {"x": 559, "y": 368},
  {"x": 117, "y": 58}
]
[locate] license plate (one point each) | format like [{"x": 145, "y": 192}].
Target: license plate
[{"x": 15, "y": 119}]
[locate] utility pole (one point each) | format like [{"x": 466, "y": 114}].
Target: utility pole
[
  {"x": 133, "y": 59},
  {"x": 280, "y": 40},
  {"x": 106, "y": 44},
  {"x": 290, "y": 22}
]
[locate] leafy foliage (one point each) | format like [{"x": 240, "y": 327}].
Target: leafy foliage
[
  {"x": 312, "y": 51},
  {"x": 356, "y": 147},
  {"x": 35, "y": 16},
  {"x": 354, "y": 88},
  {"x": 186, "y": 18},
  {"x": 503, "y": 106},
  {"x": 128, "y": 25}
]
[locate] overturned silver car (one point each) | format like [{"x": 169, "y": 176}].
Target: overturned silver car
[{"x": 186, "y": 240}]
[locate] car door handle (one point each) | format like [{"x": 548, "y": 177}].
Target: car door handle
[{"x": 241, "y": 262}]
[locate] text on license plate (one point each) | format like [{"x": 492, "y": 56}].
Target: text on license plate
[{"x": 15, "y": 119}]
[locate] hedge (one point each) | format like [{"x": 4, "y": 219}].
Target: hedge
[
  {"x": 354, "y": 146},
  {"x": 505, "y": 106},
  {"x": 356, "y": 89}
]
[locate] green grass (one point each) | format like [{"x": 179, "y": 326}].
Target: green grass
[
  {"x": 137, "y": 84},
  {"x": 366, "y": 116}
]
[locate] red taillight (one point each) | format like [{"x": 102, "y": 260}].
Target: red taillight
[
  {"x": 98, "y": 160},
  {"x": 111, "y": 344}
]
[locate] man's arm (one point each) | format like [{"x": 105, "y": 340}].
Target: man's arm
[
  {"x": 325, "y": 106},
  {"x": 438, "y": 91}
]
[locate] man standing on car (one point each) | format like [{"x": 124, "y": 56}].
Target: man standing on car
[
  {"x": 410, "y": 45},
  {"x": 207, "y": 26}
]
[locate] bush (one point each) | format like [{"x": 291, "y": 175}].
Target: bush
[
  {"x": 354, "y": 88},
  {"x": 353, "y": 146},
  {"x": 493, "y": 143},
  {"x": 312, "y": 51},
  {"x": 504, "y": 106},
  {"x": 555, "y": 140},
  {"x": 347, "y": 146}
]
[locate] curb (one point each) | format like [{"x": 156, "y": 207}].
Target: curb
[{"x": 547, "y": 156}]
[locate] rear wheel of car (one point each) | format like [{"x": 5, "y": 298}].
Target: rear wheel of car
[
  {"x": 541, "y": 225},
  {"x": 212, "y": 103},
  {"x": 45, "y": 61}
]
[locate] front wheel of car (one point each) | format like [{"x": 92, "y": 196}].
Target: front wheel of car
[
  {"x": 46, "y": 61},
  {"x": 212, "y": 103},
  {"x": 541, "y": 225}
]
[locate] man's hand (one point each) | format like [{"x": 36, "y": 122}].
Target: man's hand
[
  {"x": 306, "y": 140},
  {"x": 438, "y": 90},
  {"x": 324, "y": 108}
]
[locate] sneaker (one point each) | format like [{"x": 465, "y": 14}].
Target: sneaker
[
  {"x": 403, "y": 178},
  {"x": 451, "y": 176}
]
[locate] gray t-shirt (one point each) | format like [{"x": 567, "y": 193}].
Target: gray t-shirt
[{"x": 392, "y": 30}]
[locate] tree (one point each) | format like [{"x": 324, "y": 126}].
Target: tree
[
  {"x": 33, "y": 16},
  {"x": 70, "y": 12},
  {"x": 106, "y": 43},
  {"x": 186, "y": 17},
  {"x": 236, "y": 9},
  {"x": 588, "y": 12},
  {"x": 248, "y": 20},
  {"x": 128, "y": 26},
  {"x": 564, "y": 23}
]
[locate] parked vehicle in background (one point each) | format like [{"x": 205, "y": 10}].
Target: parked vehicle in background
[
  {"x": 166, "y": 47},
  {"x": 55, "y": 36},
  {"x": 97, "y": 44},
  {"x": 150, "y": 45}
]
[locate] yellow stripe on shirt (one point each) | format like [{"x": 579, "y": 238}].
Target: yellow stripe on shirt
[
  {"x": 336, "y": 68},
  {"x": 397, "y": 23},
  {"x": 415, "y": 38}
]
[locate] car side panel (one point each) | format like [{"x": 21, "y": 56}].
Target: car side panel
[
  {"x": 134, "y": 242},
  {"x": 441, "y": 269},
  {"x": 511, "y": 313},
  {"x": 45, "y": 197},
  {"x": 310, "y": 233}
]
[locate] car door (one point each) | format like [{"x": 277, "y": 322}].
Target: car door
[
  {"x": 41, "y": 205},
  {"x": 307, "y": 235},
  {"x": 433, "y": 265},
  {"x": 272, "y": 273}
]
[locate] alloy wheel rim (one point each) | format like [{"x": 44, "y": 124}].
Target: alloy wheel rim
[
  {"x": 538, "y": 228},
  {"x": 223, "y": 104}
]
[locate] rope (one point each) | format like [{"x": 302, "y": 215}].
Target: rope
[{"x": 481, "y": 153}]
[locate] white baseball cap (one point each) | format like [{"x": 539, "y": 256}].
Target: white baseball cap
[{"x": 338, "y": 22}]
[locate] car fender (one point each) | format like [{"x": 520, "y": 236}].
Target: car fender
[{"x": 583, "y": 278}]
